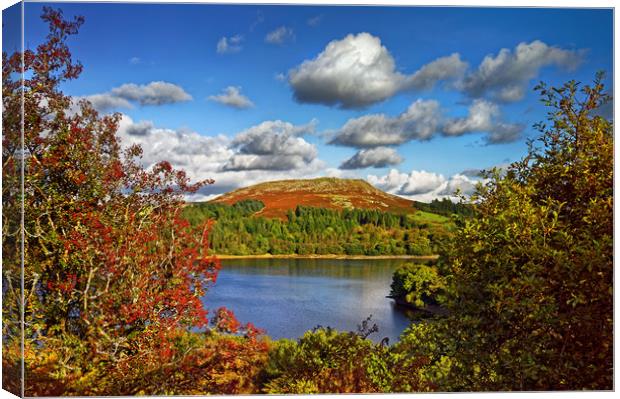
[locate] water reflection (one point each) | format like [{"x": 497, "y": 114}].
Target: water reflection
[{"x": 287, "y": 297}]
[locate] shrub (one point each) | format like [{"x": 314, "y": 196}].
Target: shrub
[{"x": 418, "y": 285}]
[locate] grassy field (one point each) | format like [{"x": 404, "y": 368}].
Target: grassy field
[{"x": 430, "y": 218}]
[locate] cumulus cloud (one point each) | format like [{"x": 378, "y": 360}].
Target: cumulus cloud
[
  {"x": 358, "y": 71},
  {"x": 378, "y": 157},
  {"x": 461, "y": 184},
  {"x": 154, "y": 93},
  {"x": 424, "y": 186},
  {"x": 227, "y": 45},
  {"x": 125, "y": 96},
  {"x": 105, "y": 102},
  {"x": 280, "y": 35},
  {"x": 420, "y": 121},
  {"x": 142, "y": 128},
  {"x": 135, "y": 60},
  {"x": 479, "y": 119},
  {"x": 353, "y": 72},
  {"x": 204, "y": 157},
  {"x": 503, "y": 132},
  {"x": 272, "y": 145},
  {"x": 270, "y": 162},
  {"x": 199, "y": 155},
  {"x": 505, "y": 76},
  {"x": 390, "y": 182},
  {"x": 421, "y": 182},
  {"x": 443, "y": 68},
  {"x": 484, "y": 116},
  {"x": 232, "y": 97}
]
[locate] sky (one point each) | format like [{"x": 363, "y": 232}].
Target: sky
[{"x": 415, "y": 100}]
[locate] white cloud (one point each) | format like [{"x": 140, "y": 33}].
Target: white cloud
[
  {"x": 378, "y": 157},
  {"x": 199, "y": 155},
  {"x": 353, "y": 72},
  {"x": 443, "y": 68},
  {"x": 280, "y": 35},
  {"x": 154, "y": 93},
  {"x": 461, "y": 184},
  {"x": 227, "y": 45},
  {"x": 484, "y": 116},
  {"x": 358, "y": 71},
  {"x": 272, "y": 145},
  {"x": 420, "y": 121},
  {"x": 390, "y": 182},
  {"x": 106, "y": 101},
  {"x": 135, "y": 60},
  {"x": 273, "y": 161},
  {"x": 232, "y": 97},
  {"x": 479, "y": 119},
  {"x": 504, "y": 132},
  {"x": 142, "y": 128},
  {"x": 204, "y": 157},
  {"x": 506, "y": 75},
  {"x": 421, "y": 182},
  {"x": 424, "y": 186}
]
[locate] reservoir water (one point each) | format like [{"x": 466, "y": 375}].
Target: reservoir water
[{"x": 287, "y": 297}]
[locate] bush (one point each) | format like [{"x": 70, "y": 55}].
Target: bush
[
  {"x": 328, "y": 361},
  {"x": 418, "y": 285}
]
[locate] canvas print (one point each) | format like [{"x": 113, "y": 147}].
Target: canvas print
[{"x": 233, "y": 199}]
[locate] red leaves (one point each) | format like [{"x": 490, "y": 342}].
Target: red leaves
[
  {"x": 163, "y": 166},
  {"x": 251, "y": 331},
  {"x": 225, "y": 321},
  {"x": 80, "y": 178},
  {"x": 116, "y": 171},
  {"x": 64, "y": 286},
  {"x": 59, "y": 27},
  {"x": 93, "y": 211}
]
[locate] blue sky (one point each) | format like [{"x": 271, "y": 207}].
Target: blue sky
[{"x": 276, "y": 102}]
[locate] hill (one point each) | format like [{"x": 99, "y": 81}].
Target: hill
[{"x": 325, "y": 192}]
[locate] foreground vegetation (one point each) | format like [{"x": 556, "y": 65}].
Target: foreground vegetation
[
  {"x": 530, "y": 277},
  {"x": 114, "y": 274},
  {"x": 308, "y": 231}
]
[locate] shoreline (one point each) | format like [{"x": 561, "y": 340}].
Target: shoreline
[{"x": 328, "y": 256}]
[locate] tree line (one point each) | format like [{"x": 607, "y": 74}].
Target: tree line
[
  {"x": 309, "y": 230},
  {"x": 445, "y": 207}
]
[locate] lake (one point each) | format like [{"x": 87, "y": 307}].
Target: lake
[{"x": 287, "y": 297}]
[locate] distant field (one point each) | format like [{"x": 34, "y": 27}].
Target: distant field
[{"x": 427, "y": 217}]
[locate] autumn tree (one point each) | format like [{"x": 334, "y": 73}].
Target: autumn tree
[
  {"x": 531, "y": 275},
  {"x": 417, "y": 285},
  {"x": 113, "y": 275}
]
